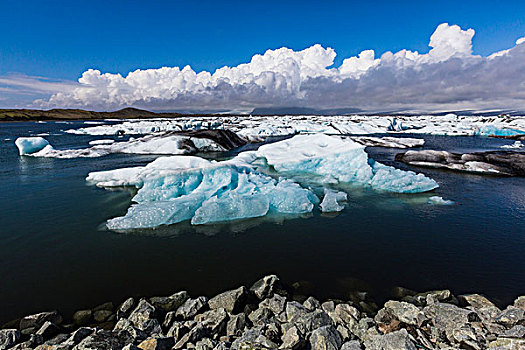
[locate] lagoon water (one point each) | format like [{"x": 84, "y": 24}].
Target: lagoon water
[{"x": 54, "y": 252}]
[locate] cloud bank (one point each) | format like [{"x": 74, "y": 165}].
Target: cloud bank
[{"x": 449, "y": 76}]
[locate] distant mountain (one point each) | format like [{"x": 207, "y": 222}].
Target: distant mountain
[{"x": 78, "y": 114}]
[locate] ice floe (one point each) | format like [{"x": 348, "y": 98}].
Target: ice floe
[
  {"x": 332, "y": 201},
  {"x": 257, "y": 128},
  {"x": 515, "y": 145},
  {"x": 29, "y": 145},
  {"x": 390, "y": 142},
  {"x": 437, "y": 200},
  {"x": 180, "y": 188}
]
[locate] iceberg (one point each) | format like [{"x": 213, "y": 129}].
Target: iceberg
[
  {"x": 437, "y": 200},
  {"x": 331, "y": 159},
  {"x": 331, "y": 201},
  {"x": 30, "y": 145},
  {"x": 179, "y": 188}
]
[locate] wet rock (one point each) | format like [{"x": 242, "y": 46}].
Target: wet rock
[
  {"x": 400, "y": 293},
  {"x": 104, "y": 307},
  {"x": 236, "y": 325},
  {"x": 82, "y": 317},
  {"x": 265, "y": 287},
  {"x": 192, "y": 307},
  {"x": 157, "y": 343},
  {"x": 325, "y": 338},
  {"x": 37, "y": 320},
  {"x": 8, "y": 338},
  {"x": 293, "y": 339},
  {"x": 170, "y": 303},
  {"x": 231, "y": 301},
  {"x": 276, "y": 303}
]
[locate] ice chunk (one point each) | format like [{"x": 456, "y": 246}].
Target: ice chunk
[
  {"x": 391, "y": 142},
  {"x": 331, "y": 159},
  {"x": 101, "y": 142},
  {"x": 331, "y": 201},
  {"x": 516, "y": 145},
  {"x": 179, "y": 188},
  {"x": 437, "y": 200},
  {"x": 488, "y": 130},
  {"x": 29, "y": 145}
]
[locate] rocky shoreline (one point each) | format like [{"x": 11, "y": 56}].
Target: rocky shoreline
[{"x": 268, "y": 315}]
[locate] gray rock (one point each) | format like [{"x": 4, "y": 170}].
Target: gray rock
[
  {"x": 313, "y": 320},
  {"x": 106, "y": 307},
  {"x": 48, "y": 330},
  {"x": 345, "y": 333},
  {"x": 253, "y": 339},
  {"x": 103, "y": 339},
  {"x": 400, "y": 293},
  {"x": 125, "y": 325},
  {"x": 78, "y": 335},
  {"x": 82, "y": 317},
  {"x": 325, "y": 338},
  {"x": 276, "y": 303},
  {"x": 195, "y": 334},
  {"x": 351, "y": 345},
  {"x": 507, "y": 344},
  {"x": 8, "y": 338},
  {"x": 518, "y": 331},
  {"x": 520, "y": 302},
  {"x": 36, "y": 321},
  {"x": 446, "y": 318},
  {"x": 475, "y": 300},
  {"x": 192, "y": 307},
  {"x": 294, "y": 310},
  {"x": 404, "y": 312},
  {"x": 205, "y": 344},
  {"x": 293, "y": 339},
  {"x": 398, "y": 340},
  {"x": 328, "y": 306},
  {"x": 345, "y": 314},
  {"x": 510, "y": 316},
  {"x": 125, "y": 308},
  {"x": 102, "y": 315},
  {"x": 231, "y": 301},
  {"x": 236, "y": 325},
  {"x": 214, "y": 320},
  {"x": 177, "y": 330},
  {"x": 260, "y": 316},
  {"x": 420, "y": 299},
  {"x": 144, "y": 318},
  {"x": 157, "y": 343},
  {"x": 265, "y": 287},
  {"x": 33, "y": 342},
  {"x": 311, "y": 303},
  {"x": 170, "y": 303}
]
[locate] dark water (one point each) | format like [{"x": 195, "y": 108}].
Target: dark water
[{"x": 53, "y": 253}]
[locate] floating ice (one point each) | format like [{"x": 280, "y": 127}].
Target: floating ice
[
  {"x": 331, "y": 201},
  {"x": 437, "y": 200},
  {"x": 30, "y": 145},
  {"x": 488, "y": 130},
  {"x": 330, "y": 159},
  {"x": 390, "y": 142},
  {"x": 101, "y": 142},
  {"x": 179, "y": 188},
  {"x": 515, "y": 145}
]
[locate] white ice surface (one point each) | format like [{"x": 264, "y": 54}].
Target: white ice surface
[
  {"x": 515, "y": 145},
  {"x": 332, "y": 201},
  {"x": 437, "y": 200},
  {"x": 30, "y": 145},
  {"x": 391, "y": 142}
]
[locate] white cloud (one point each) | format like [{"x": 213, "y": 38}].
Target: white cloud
[
  {"x": 520, "y": 41},
  {"x": 447, "y": 77}
]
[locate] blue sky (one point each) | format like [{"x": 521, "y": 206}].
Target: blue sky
[{"x": 61, "y": 39}]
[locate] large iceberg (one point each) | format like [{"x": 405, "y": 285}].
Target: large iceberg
[
  {"x": 30, "y": 145},
  {"x": 331, "y": 159},
  {"x": 180, "y": 188}
]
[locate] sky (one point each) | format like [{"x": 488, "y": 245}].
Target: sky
[{"x": 47, "y": 46}]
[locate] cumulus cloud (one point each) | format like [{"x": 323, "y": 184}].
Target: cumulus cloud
[{"x": 449, "y": 76}]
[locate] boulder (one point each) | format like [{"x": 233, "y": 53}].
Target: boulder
[
  {"x": 293, "y": 339},
  {"x": 144, "y": 317},
  {"x": 82, "y": 317},
  {"x": 236, "y": 324},
  {"x": 325, "y": 338},
  {"x": 37, "y": 320},
  {"x": 351, "y": 345},
  {"x": 157, "y": 343},
  {"x": 214, "y": 320},
  {"x": 276, "y": 303},
  {"x": 170, "y": 303},
  {"x": 265, "y": 287},
  {"x": 192, "y": 307},
  {"x": 398, "y": 340},
  {"x": 231, "y": 301},
  {"x": 510, "y": 316}
]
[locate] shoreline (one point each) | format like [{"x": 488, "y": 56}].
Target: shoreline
[{"x": 270, "y": 314}]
